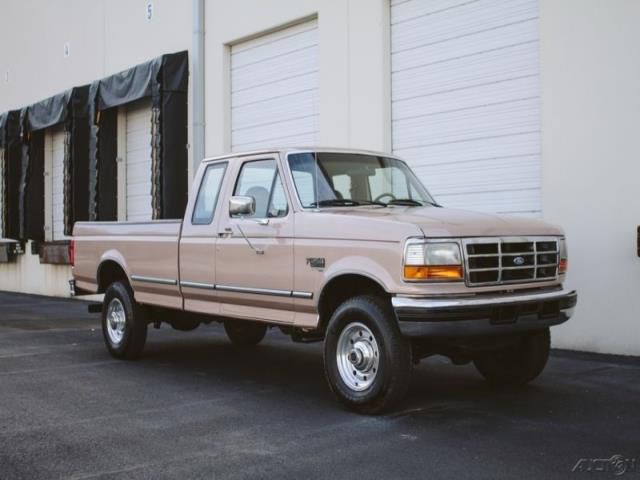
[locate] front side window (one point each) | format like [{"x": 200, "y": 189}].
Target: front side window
[
  {"x": 347, "y": 179},
  {"x": 208, "y": 194},
  {"x": 260, "y": 179}
]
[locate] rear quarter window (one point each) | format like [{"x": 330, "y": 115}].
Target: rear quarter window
[{"x": 208, "y": 193}]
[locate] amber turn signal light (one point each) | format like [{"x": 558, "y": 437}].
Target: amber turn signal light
[
  {"x": 433, "y": 272},
  {"x": 563, "y": 265}
]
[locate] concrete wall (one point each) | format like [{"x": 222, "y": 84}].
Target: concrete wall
[
  {"x": 29, "y": 276},
  {"x": 104, "y": 37},
  {"x": 591, "y": 163}
]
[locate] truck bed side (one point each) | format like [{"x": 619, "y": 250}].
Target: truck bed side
[{"x": 146, "y": 252}]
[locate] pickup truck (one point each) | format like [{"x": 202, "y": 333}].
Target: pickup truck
[{"x": 340, "y": 246}]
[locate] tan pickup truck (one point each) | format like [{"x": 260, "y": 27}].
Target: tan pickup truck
[{"x": 345, "y": 247}]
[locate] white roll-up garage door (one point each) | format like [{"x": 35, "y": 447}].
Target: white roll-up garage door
[
  {"x": 274, "y": 89},
  {"x": 466, "y": 100},
  {"x": 138, "y": 160},
  {"x": 57, "y": 181}
]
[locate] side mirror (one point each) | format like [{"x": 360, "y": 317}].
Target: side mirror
[{"x": 242, "y": 206}]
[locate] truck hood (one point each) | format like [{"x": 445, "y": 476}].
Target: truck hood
[{"x": 448, "y": 222}]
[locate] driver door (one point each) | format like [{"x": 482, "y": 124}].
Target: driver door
[{"x": 254, "y": 253}]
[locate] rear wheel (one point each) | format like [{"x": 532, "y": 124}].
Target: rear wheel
[
  {"x": 124, "y": 324},
  {"x": 367, "y": 361},
  {"x": 518, "y": 364},
  {"x": 245, "y": 334}
]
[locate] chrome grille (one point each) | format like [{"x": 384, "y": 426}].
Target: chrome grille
[{"x": 495, "y": 261}]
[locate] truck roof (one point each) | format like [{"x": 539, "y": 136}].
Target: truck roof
[{"x": 287, "y": 150}]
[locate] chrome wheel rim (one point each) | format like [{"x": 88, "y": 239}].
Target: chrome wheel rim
[
  {"x": 357, "y": 356},
  {"x": 116, "y": 321}
]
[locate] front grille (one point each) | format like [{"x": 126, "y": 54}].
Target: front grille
[{"x": 496, "y": 261}]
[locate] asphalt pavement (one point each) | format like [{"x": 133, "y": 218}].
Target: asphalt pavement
[{"x": 195, "y": 407}]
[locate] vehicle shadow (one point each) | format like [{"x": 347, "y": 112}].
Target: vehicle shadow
[{"x": 438, "y": 388}]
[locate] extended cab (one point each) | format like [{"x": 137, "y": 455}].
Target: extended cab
[{"x": 345, "y": 247}]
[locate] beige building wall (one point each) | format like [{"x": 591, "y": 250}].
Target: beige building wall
[
  {"x": 591, "y": 161},
  {"x": 103, "y": 37}
]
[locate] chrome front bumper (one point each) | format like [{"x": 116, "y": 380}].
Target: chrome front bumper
[{"x": 483, "y": 314}]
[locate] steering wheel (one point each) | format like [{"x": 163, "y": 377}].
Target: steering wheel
[{"x": 390, "y": 195}]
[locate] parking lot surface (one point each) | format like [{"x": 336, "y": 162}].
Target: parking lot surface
[{"x": 195, "y": 407}]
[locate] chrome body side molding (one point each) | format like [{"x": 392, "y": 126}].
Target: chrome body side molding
[{"x": 156, "y": 280}]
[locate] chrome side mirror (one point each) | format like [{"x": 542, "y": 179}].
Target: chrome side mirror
[{"x": 242, "y": 206}]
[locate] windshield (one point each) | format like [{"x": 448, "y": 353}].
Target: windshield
[{"x": 347, "y": 179}]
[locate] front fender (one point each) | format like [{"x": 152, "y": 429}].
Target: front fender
[{"x": 359, "y": 265}]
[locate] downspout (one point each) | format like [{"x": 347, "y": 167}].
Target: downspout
[{"x": 197, "y": 69}]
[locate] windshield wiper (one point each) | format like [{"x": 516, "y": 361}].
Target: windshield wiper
[
  {"x": 372, "y": 202},
  {"x": 336, "y": 202},
  {"x": 346, "y": 202},
  {"x": 408, "y": 202}
]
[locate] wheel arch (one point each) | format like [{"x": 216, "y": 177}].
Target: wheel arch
[
  {"x": 110, "y": 270},
  {"x": 342, "y": 287}
]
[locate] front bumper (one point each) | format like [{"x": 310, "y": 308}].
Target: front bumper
[{"x": 483, "y": 314}]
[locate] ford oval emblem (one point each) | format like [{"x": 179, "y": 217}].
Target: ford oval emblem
[{"x": 518, "y": 261}]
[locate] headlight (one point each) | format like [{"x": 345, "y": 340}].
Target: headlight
[
  {"x": 432, "y": 261},
  {"x": 564, "y": 260}
]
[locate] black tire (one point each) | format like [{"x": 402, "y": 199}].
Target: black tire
[
  {"x": 390, "y": 380},
  {"x": 516, "y": 365},
  {"x": 245, "y": 334},
  {"x": 131, "y": 343}
]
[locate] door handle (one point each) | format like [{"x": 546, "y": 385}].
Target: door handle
[
  {"x": 262, "y": 221},
  {"x": 227, "y": 232}
]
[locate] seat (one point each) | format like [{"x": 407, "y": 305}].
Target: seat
[{"x": 261, "y": 196}]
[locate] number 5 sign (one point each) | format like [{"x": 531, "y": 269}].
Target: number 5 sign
[{"x": 148, "y": 11}]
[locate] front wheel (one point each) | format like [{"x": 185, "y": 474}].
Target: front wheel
[
  {"x": 367, "y": 361},
  {"x": 124, "y": 325},
  {"x": 518, "y": 364}
]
